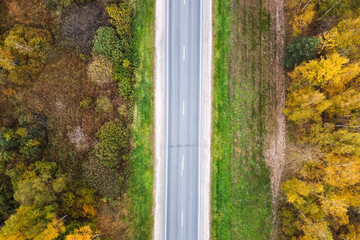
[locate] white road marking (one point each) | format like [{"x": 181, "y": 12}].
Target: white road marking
[
  {"x": 200, "y": 119},
  {"x": 182, "y": 218},
  {"x": 184, "y": 2},
  {"x": 183, "y": 110},
  {"x": 182, "y": 165},
  {"x": 184, "y": 53}
]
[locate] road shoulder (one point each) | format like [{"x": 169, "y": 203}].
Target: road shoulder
[{"x": 160, "y": 113}]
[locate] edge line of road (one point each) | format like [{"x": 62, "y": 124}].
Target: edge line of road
[
  {"x": 167, "y": 114},
  {"x": 200, "y": 119}
]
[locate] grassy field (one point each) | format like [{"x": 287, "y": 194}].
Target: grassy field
[
  {"x": 241, "y": 192},
  {"x": 141, "y": 164}
]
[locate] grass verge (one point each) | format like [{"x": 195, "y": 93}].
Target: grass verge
[
  {"x": 141, "y": 164},
  {"x": 241, "y": 192}
]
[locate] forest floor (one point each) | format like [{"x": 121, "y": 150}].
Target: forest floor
[{"x": 248, "y": 125}]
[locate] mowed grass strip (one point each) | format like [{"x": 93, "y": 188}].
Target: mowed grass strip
[
  {"x": 141, "y": 164},
  {"x": 241, "y": 194}
]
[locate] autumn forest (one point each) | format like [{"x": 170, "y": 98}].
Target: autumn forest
[{"x": 322, "y": 189}]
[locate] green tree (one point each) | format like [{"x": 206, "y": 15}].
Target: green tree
[
  {"x": 300, "y": 50},
  {"x": 7, "y": 202},
  {"x": 39, "y": 185}
]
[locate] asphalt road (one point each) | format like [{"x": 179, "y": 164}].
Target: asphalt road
[{"x": 182, "y": 121}]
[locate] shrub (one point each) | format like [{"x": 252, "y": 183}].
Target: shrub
[
  {"x": 301, "y": 49},
  {"x": 86, "y": 103},
  {"x": 102, "y": 179},
  {"x": 126, "y": 87},
  {"x": 100, "y": 70},
  {"x": 107, "y": 43},
  {"x": 120, "y": 18},
  {"x": 103, "y": 105},
  {"x": 112, "y": 148}
]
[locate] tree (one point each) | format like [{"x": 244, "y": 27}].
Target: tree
[
  {"x": 28, "y": 223},
  {"x": 79, "y": 203},
  {"x": 332, "y": 140},
  {"x": 306, "y": 104},
  {"x": 39, "y": 185},
  {"x": 6, "y": 59},
  {"x": 344, "y": 38},
  {"x": 327, "y": 85},
  {"x": 27, "y": 45},
  {"x": 300, "y": 50},
  {"x": 52, "y": 231},
  {"x": 7, "y": 202},
  {"x": 338, "y": 8},
  {"x": 84, "y": 233},
  {"x": 113, "y": 146},
  {"x": 301, "y": 13},
  {"x": 107, "y": 43},
  {"x": 79, "y": 23}
]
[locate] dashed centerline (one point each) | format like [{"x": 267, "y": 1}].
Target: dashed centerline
[
  {"x": 183, "y": 108},
  {"x": 184, "y": 53},
  {"x": 182, "y": 218}
]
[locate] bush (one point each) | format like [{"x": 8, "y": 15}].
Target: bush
[
  {"x": 120, "y": 18},
  {"x": 105, "y": 161},
  {"x": 86, "y": 103},
  {"x": 100, "y": 178},
  {"x": 103, "y": 105},
  {"x": 107, "y": 43},
  {"x": 100, "y": 70},
  {"x": 113, "y": 146},
  {"x": 299, "y": 50}
]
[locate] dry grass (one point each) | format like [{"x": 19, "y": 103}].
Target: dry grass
[
  {"x": 113, "y": 221},
  {"x": 57, "y": 94}
]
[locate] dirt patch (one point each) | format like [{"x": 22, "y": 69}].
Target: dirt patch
[
  {"x": 78, "y": 138},
  {"x": 276, "y": 121}
]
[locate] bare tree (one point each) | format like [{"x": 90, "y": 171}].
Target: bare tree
[{"x": 79, "y": 24}]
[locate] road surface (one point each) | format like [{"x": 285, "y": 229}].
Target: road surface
[
  {"x": 183, "y": 94},
  {"x": 183, "y": 41}
]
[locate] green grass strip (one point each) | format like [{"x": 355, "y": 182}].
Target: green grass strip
[
  {"x": 241, "y": 194},
  {"x": 141, "y": 164}
]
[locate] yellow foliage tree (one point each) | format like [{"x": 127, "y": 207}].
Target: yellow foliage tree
[
  {"x": 52, "y": 230},
  {"x": 326, "y": 85},
  {"x": 6, "y": 59},
  {"x": 344, "y": 38},
  {"x": 330, "y": 73},
  {"x": 301, "y": 13},
  {"x": 28, "y": 45},
  {"x": 306, "y": 104},
  {"x": 84, "y": 233}
]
